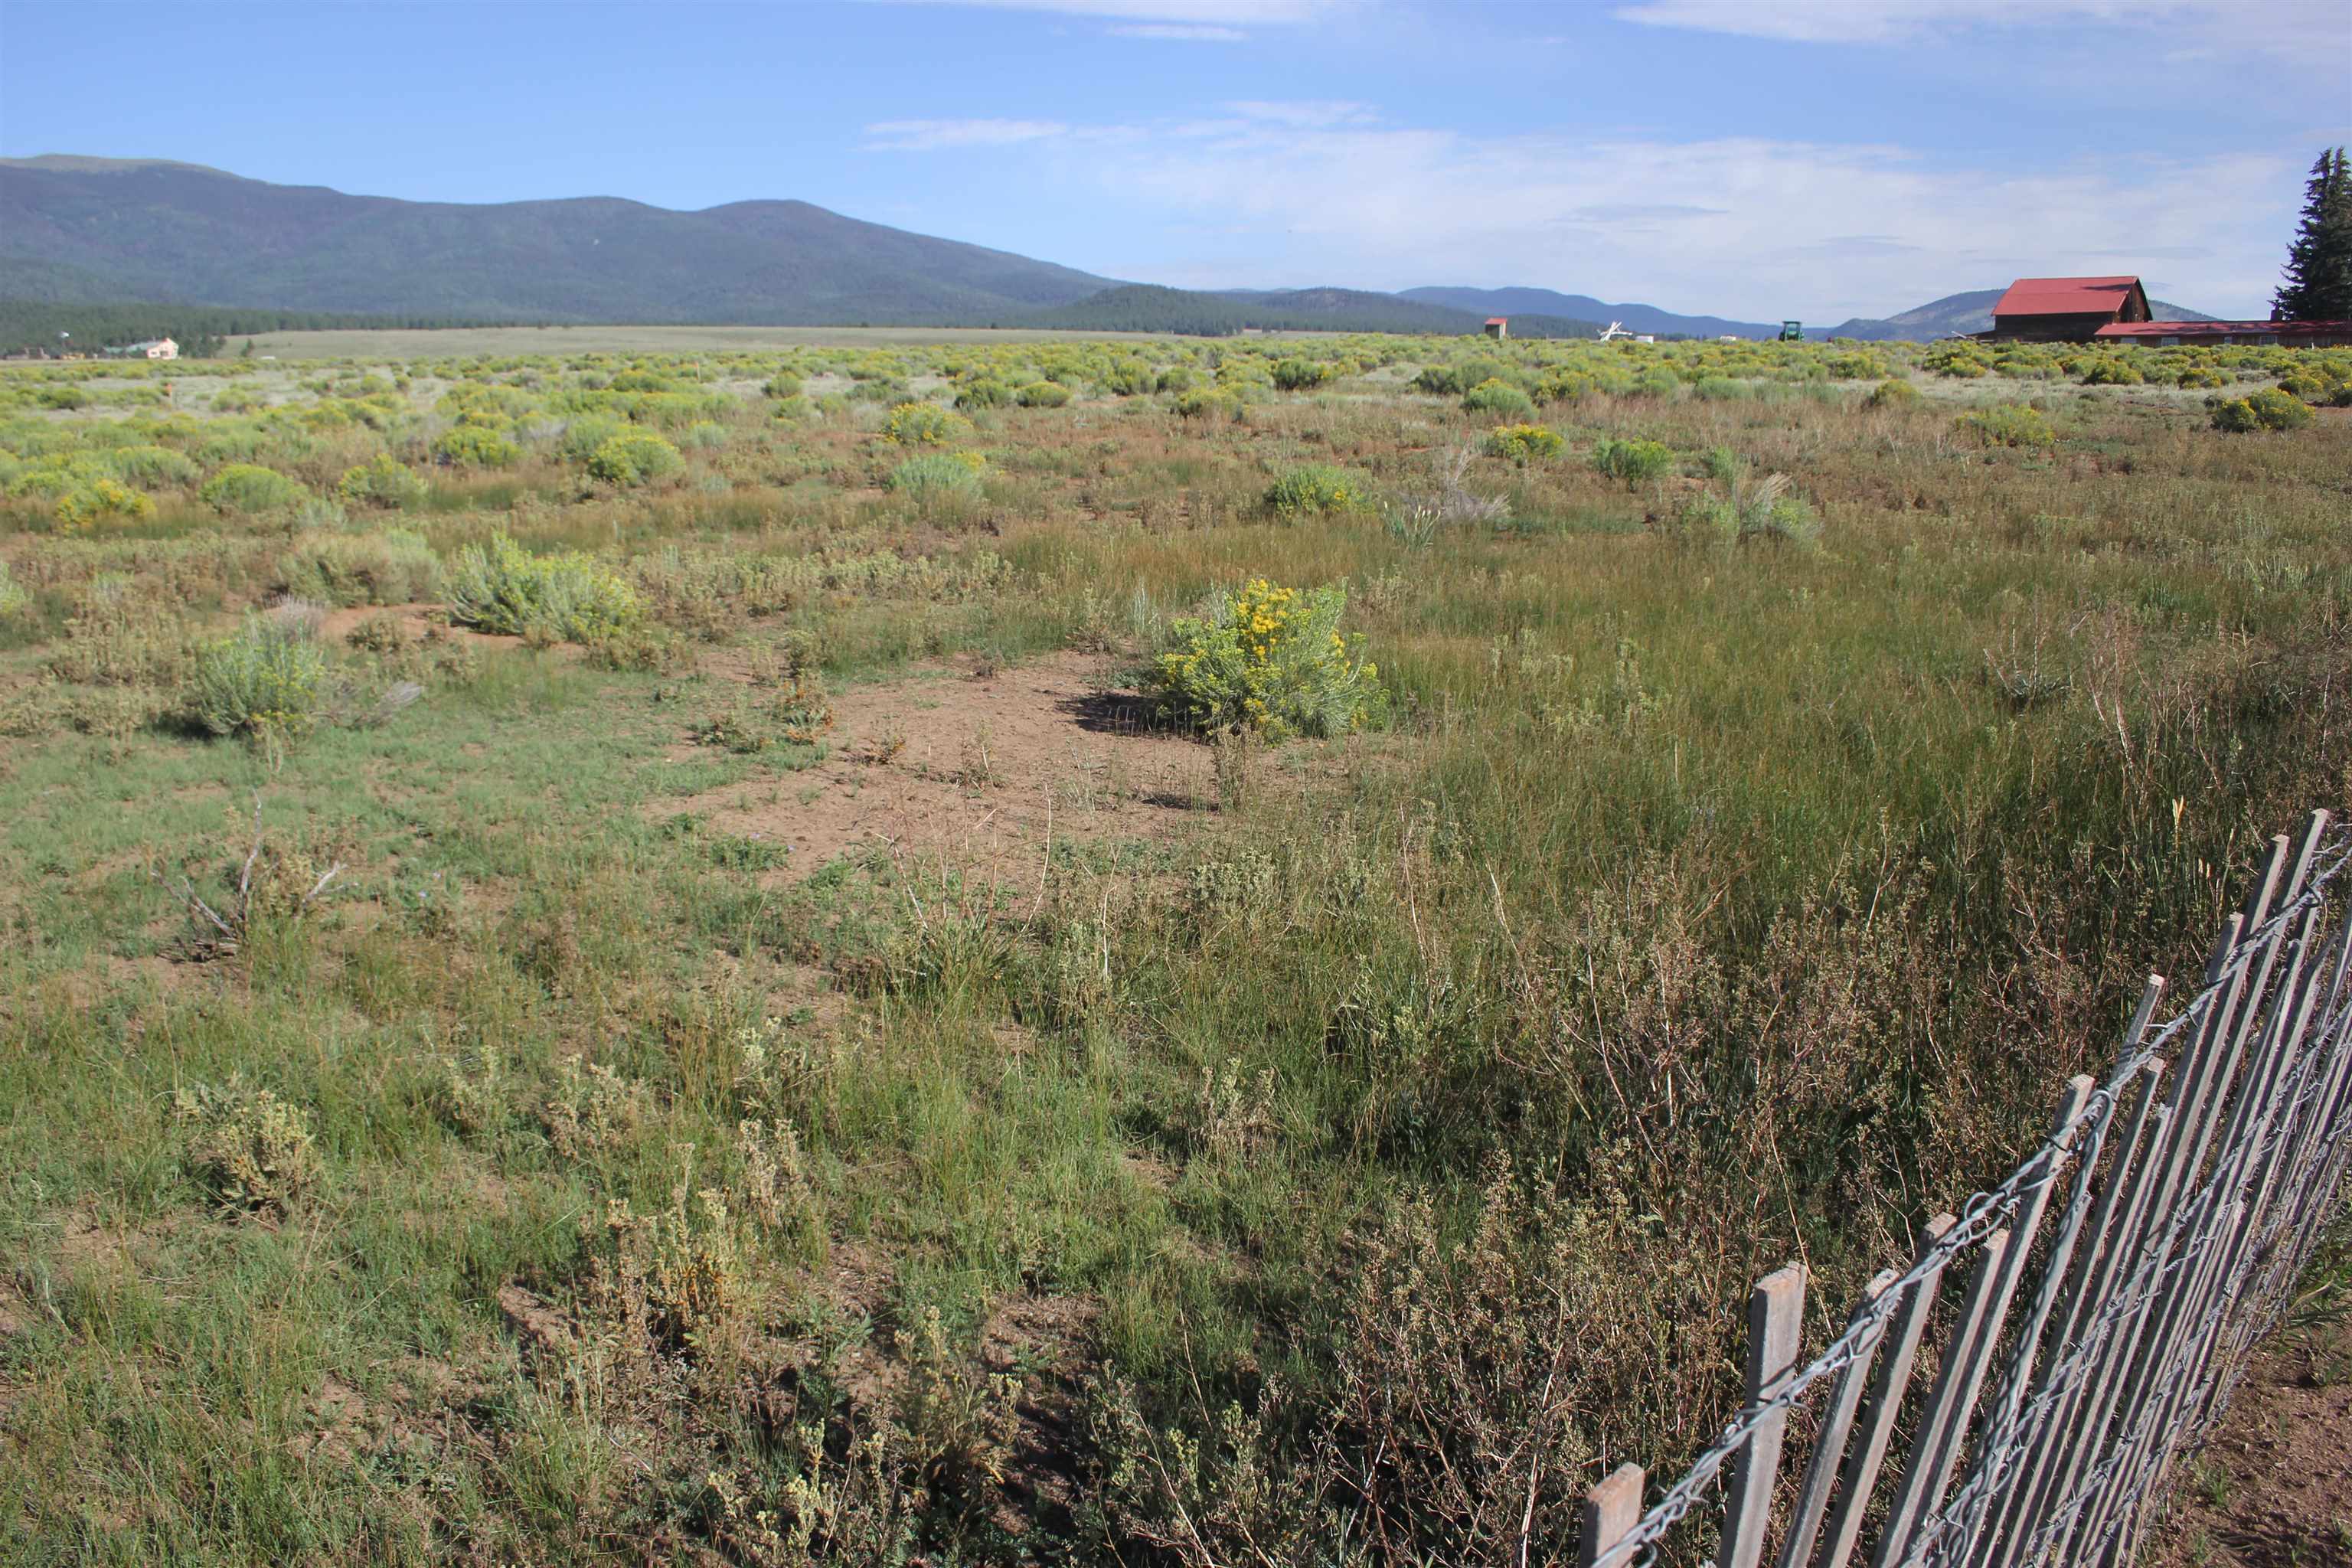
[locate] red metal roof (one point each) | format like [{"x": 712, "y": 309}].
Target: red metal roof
[
  {"x": 2220, "y": 329},
  {"x": 1498, "y": 321},
  {"x": 2065, "y": 296}
]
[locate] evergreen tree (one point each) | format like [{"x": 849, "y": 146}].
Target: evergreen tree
[{"x": 2318, "y": 285}]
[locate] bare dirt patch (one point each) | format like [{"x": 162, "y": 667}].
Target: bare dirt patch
[
  {"x": 980, "y": 767},
  {"x": 2274, "y": 1486}
]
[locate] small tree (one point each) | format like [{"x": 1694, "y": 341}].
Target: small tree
[{"x": 2318, "y": 286}]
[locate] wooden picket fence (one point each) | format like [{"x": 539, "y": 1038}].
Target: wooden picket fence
[{"x": 2088, "y": 1317}]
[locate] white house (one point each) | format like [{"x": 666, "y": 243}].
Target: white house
[{"x": 153, "y": 348}]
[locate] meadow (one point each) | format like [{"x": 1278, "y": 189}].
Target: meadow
[{"x": 961, "y": 950}]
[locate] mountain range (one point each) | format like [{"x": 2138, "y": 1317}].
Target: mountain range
[{"x": 80, "y": 231}]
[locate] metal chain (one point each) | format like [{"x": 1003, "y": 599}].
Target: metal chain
[{"x": 1979, "y": 1219}]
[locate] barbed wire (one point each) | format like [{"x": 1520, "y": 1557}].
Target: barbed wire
[{"x": 1979, "y": 1217}]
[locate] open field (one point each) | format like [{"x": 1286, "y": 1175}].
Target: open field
[
  {"x": 702, "y": 995},
  {"x": 656, "y": 340}
]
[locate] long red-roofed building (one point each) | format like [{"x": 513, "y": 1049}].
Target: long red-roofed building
[{"x": 2115, "y": 310}]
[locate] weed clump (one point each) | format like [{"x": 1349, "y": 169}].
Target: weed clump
[
  {"x": 266, "y": 680},
  {"x": 634, "y": 458},
  {"x": 2268, "y": 409},
  {"x": 394, "y": 567},
  {"x": 382, "y": 482},
  {"x": 931, "y": 478},
  {"x": 1633, "y": 462},
  {"x": 924, "y": 424},
  {"x": 249, "y": 488},
  {"x": 1523, "y": 444},
  {"x": 1269, "y": 660},
  {"x": 1891, "y": 394},
  {"x": 1494, "y": 396},
  {"x": 502, "y": 587},
  {"x": 1315, "y": 487},
  {"x": 251, "y": 1151},
  {"x": 2008, "y": 425}
]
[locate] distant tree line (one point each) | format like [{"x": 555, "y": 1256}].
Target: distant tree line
[{"x": 42, "y": 329}]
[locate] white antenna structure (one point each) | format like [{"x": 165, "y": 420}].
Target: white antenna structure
[{"x": 1612, "y": 332}]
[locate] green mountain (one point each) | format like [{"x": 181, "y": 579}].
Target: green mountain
[{"x": 99, "y": 230}]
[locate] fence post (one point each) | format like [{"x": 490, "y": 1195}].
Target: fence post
[
  {"x": 1612, "y": 1508},
  {"x": 1776, "y": 1316},
  {"x": 1821, "y": 1471}
]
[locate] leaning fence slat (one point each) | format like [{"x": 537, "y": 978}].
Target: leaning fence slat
[
  {"x": 1927, "y": 1447},
  {"x": 2202, "y": 1172},
  {"x": 2023, "y": 1227},
  {"x": 1611, "y": 1509},
  {"x": 1877, "y": 1427},
  {"x": 1821, "y": 1471},
  {"x": 1776, "y": 1316},
  {"x": 2114, "y": 1210}
]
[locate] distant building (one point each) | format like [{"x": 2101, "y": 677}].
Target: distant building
[
  {"x": 2065, "y": 309},
  {"x": 1498, "y": 326},
  {"x": 153, "y": 348},
  {"x": 2196, "y": 334}
]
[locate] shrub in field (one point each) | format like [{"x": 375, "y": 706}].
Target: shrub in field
[
  {"x": 932, "y": 477},
  {"x": 249, "y": 488},
  {"x": 2268, "y": 409},
  {"x": 782, "y": 386},
  {"x": 633, "y": 459},
  {"x": 1299, "y": 375},
  {"x": 62, "y": 397},
  {"x": 394, "y": 567},
  {"x": 1633, "y": 462},
  {"x": 1129, "y": 378},
  {"x": 1658, "y": 383},
  {"x": 102, "y": 501},
  {"x": 265, "y": 680},
  {"x": 1175, "y": 379},
  {"x": 1208, "y": 404},
  {"x": 1892, "y": 395},
  {"x": 706, "y": 435},
  {"x": 2007, "y": 424},
  {"x": 13, "y": 597},
  {"x": 151, "y": 467},
  {"x": 581, "y": 436},
  {"x": 2197, "y": 376},
  {"x": 1315, "y": 487},
  {"x": 1718, "y": 389},
  {"x": 1963, "y": 360},
  {"x": 1043, "y": 394},
  {"x": 2109, "y": 371},
  {"x": 502, "y": 587},
  {"x": 924, "y": 424},
  {"x": 1566, "y": 386},
  {"x": 983, "y": 394},
  {"x": 1269, "y": 660},
  {"x": 382, "y": 482},
  {"x": 250, "y": 1150},
  {"x": 1766, "y": 509},
  {"x": 1523, "y": 444},
  {"x": 475, "y": 447},
  {"x": 1494, "y": 396}
]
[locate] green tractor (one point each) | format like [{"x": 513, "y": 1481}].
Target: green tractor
[{"x": 1793, "y": 331}]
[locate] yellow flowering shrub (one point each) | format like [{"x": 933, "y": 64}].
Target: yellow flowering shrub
[
  {"x": 104, "y": 500},
  {"x": 1271, "y": 660}
]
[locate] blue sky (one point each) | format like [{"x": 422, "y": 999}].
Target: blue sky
[{"x": 1752, "y": 158}]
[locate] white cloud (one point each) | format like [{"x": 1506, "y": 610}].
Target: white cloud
[
  {"x": 931, "y": 135},
  {"x": 1181, "y": 32},
  {"x": 2192, "y": 29},
  {"x": 1738, "y": 227}
]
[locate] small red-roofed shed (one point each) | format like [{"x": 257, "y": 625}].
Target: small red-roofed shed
[{"x": 2066, "y": 310}]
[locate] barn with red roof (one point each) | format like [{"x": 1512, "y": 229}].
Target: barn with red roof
[{"x": 2066, "y": 310}]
